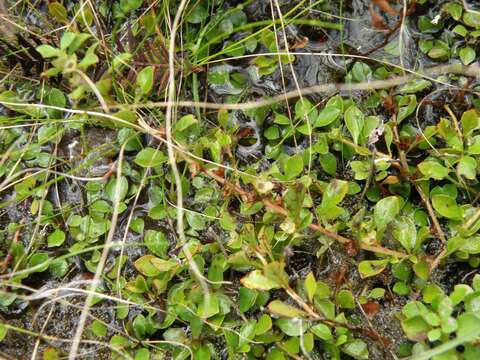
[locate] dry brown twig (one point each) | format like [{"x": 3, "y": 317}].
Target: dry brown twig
[
  {"x": 425, "y": 200},
  {"x": 471, "y": 70},
  {"x": 272, "y": 206}
]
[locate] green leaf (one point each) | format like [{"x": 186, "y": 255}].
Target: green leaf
[
  {"x": 305, "y": 110},
  {"x": 56, "y": 238},
  {"x": 406, "y": 106},
  {"x": 48, "y": 51},
  {"x": 468, "y": 324},
  {"x": 470, "y": 330},
  {"x": 198, "y": 14},
  {"x": 333, "y": 195},
  {"x": 257, "y": 281},
  {"x": 467, "y": 167},
  {"x": 355, "y": 120},
  {"x": 50, "y": 354},
  {"x": 137, "y": 225},
  {"x": 247, "y": 332},
  {"x": 263, "y": 325},
  {"x": 345, "y": 299},
  {"x": 476, "y": 282},
  {"x": 293, "y": 166},
  {"x": 120, "y": 60},
  {"x": 447, "y": 207},
  {"x": 368, "y": 268},
  {"x": 119, "y": 342},
  {"x": 3, "y": 331},
  {"x": 362, "y": 169},
  {"x": 414, "y": 86},
  {"x": 129, "y": 139},
  {"x": 432, "y": 169},
  {"x": 130, "y": 5},
  {"x": 185, "y": 122},
  {"x": 360, "y": 72},
  {"x": 246, "y": 298},
  {"x": 47, "y": 133},
  {"x": 455, "y": 10},
  {"x": 58, "y": 11},
  {"x": 79, "y": 39},
  {"x": 145, "y": 266},
  {"x": 142, "y": 326},
  {"x": 460, "y": 30},
  {"x": 66, "y": 40},
  {"x": 59, "y": 268},
  {"x": 292, "y": 327},
  {"x": 472, "y": 19},
  {"x": 470, "y": 245},
  {"x": 111, "y": 189},
  {"x": 275, "y": 271},
  {"x": 405, "y": 233},
  {"x": 142, "y": 354},
  {"x": 357, "y": 349},
  {"x": 56, "y": 97},
  {"x": 39, "y": 259},
  {"x": 460, "y": 291},
  {"x": 272, "y": 133},
  {"x": 145, "y": 80},
  {"x": 156, "y": 242},
  {"x": 401, "y": 288},
  {"x": 467, "y": 55},
  {"x": 98, "y": 328},
  {"x": 310, "y": 285},
  {"x": 327, "y": 116},
  {"x": 150, "y": 157},
  {"x": 328, "y": 162},
  {"x": 322, "y": 331},
  {"x": 414, "y": 327},
  {"x": 163, "y": 265},
  {"x": 279, "y": 308},
  {"x": 426, "y": 25},
  {"x": 208, "y": 307},
  {"x": 386, "y": 210},
  {"x": 439, "y": 51},
  {"x": 422, "y": 269},
  {"x": 470, "y": 121},
  {"x": 202, "y": 353},
  {"x": 376, "y": 293},
  {"x": 89, "y": 60}
]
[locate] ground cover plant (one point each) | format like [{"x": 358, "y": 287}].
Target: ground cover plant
[{"x": 239, "y": 179}]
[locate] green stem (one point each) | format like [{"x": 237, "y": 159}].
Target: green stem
[{"x": 268, "y": 24}]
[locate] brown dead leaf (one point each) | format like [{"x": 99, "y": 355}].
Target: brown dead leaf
[
  {"x": 371, "y": 308},
  {"x": 300, "y": 43}
]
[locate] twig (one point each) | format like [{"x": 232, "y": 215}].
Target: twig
[
  {"x": 315, "y": 316},
  {"x": 455, "y": 120},
  {"x": 171, "y": 152},
  {"x": 385, "y": 343},
  {"x": 101, "y": 264},
  {"x": 471, "y": 70},
  {"x": 269, "y": 204},
  {"x": 9, "y": 257},
  {"x": 431, "y": 213},
  {"x": 423, "y": 196}
]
